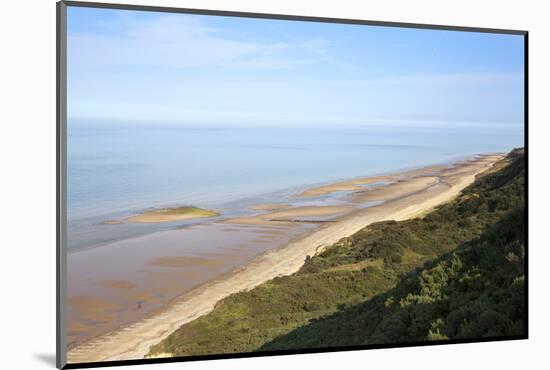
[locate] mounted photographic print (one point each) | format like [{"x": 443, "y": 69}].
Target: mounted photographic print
[{"x": 235, "y": 184}]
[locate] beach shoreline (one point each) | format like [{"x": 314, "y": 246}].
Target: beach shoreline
[
  {"x": 88, "y": 235},
  {"x": 426, "y": 188}
]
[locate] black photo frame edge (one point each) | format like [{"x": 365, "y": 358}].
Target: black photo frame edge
[{"x": 61, "y": 173}]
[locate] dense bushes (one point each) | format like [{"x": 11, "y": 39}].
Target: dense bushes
[
  {"x": 475, "y": 291},
  {"x": 456, "y": 273}
]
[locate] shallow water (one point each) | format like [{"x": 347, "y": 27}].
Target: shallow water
[{"x": 115, "y": 170}]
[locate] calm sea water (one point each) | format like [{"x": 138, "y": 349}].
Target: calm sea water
[{"x": 115, "y": 170}]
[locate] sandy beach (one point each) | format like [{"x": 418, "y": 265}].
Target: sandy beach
[{"x": 403, "y": 195}]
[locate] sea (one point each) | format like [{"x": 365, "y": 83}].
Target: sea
[{"x": 117, "y": 169}]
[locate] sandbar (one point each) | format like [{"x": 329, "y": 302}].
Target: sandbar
[
  {"x": 269, "y": 207},
  {"x": 291, "y": 214},
  {"x": 171, "y": 214},
  {"x": 396, "y": 190},
  {"x": 349, "y": 185}
]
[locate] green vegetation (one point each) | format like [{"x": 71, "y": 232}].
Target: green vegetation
[
  {"x": 186, "y": 210},
  {"x": 172, "y": 214},
  {"x": 456, "y": 273},
  {"x": 475, "y": 291}
]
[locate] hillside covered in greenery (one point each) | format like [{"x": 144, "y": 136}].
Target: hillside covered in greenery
[{"x": 456, "y": 273}]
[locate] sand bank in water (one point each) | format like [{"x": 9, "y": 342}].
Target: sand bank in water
[
  {"x": 171, "y": 214},
  {"x": 349, "y": 185},
  {"x": 269, "y": 207},
  {"x": 291, "y": 214}
]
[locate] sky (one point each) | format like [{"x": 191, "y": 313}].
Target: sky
[{"x": 136, "y": 66}]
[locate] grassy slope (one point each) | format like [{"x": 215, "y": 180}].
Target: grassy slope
[{"x": 455, "y": 273}]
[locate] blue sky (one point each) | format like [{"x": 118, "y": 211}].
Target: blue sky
[{"x": 156, "y": 67}]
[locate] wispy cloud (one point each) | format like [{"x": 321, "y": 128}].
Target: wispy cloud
[
  {"x": 318, "y": 47},
  {"x": 185, "y": 68},
  {"x": 178, "y": 41}
]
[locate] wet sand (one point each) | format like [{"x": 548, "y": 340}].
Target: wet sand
[
  {"x": 163, "y": 271},
  {"x": 397, "y": 189},
  {"x": 349, "y": 185},
  {"x": 119, "y": 283},
  {"x": 296, "y": 214},
  {"x": 270, "y": 207}
]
